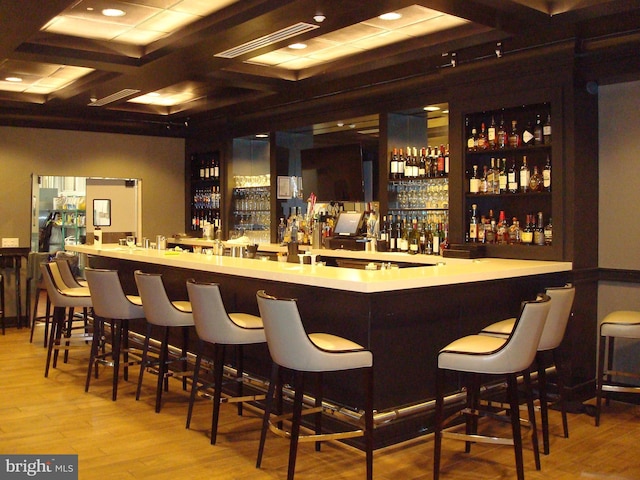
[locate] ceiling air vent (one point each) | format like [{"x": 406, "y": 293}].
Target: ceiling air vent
[
  {"x": 114, "y": 97},
  {"x": 266, "y": 40}
]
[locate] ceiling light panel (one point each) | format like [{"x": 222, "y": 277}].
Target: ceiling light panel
[
  {"x": 40, "y": 78},
  {"x": 144, "y": 22},
  {"x": 415, "y": 21}
]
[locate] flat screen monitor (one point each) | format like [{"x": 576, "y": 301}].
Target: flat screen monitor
[{"x": 348, "y": 224}]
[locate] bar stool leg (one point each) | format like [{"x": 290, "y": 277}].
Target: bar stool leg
[
  {"x": 240, "y": 374},
  {"x": 439, "y": 420},
  {"x": 561, "y": 391},
  {"x": 116, "y": 341},
  {"x": 162, "y": 367},
  {"x": 97, "y": 332},
  {"x": 368, "y": 421},
  {"x": 298, "y": 381},
  {"x": 318, "y": 404},
  {"x": 275, "y": 376},
  {"x": 532, "y": 417},
  {"x": 512, "y": 388},
  {"x": 194, "y": 381},
  {"x": 145, "y": 360},
  {"x": 217, "y": 394},
  {"x": 600, "y": 379}
]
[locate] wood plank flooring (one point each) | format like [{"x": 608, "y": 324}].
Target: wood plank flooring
[{"x": 127, "y": 440}]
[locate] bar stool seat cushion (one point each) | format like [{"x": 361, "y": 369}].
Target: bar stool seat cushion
[
  {"x": 183, "y": 306},
  {"x": 503, "y": 327},
  {"x": 476, "y": 354},
  {"x": 333, "y": 343},
  {"x": 135, "y": 299},
  {"x": 622, "y": 324},
  {"x": 246, "y": 320}
]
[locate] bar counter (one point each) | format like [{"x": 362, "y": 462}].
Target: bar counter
[{"x": 404, "y": 316}]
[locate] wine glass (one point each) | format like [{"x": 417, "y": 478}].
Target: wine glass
[{"x": 131, "y": 241}]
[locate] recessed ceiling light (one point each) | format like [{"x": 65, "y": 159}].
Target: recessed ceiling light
[
  {"x": 445, "y": 111},
  {"x": 13, "y": 79},
  {"x": 298, "y": 46},
  {"x": 432, "y": 108},
  {"x": 262, "y": 135},
  {"x": 113, "y": 12},
  {"x": 319, "y": 18},
  {"x": 390, "y": 16},
  {"x": 340, "y": 124},
  {"x": 153, "y": 94}
]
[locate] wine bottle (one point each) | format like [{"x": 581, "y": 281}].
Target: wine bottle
[
  {"x": 512, "y": 180},
  {"x": 546, "y": 131},
  {"x": 474, "y": 182},
  {"x": 525, "y": 176},
  {"x": 538, "y": 138},
  {"x": 393, "y": 165},
  {"x": 546, "y": 176},
  {"x": 473, "y": 224},
  {"x": 538, "y": 233},
  {"x": 502, "y": 178},
  {"x": 492, "y": 134}
]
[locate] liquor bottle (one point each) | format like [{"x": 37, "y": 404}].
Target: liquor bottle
[
  {"x": 393, "y": 245},
  {"x": 491, "y": 134},
  {"x": 441, "y": 162},
  {"x": 382, "y": 233},
  {"x": 546, "y": 131},
  {"x": 538, "y": 233},
  {"x": 201, "y": 172},
  {"x": 483, "y": 144},
  {"x": 527, "y": 135},
  {"x": 514, "y": 136},
  {"x": 434, "y": 162},
  {"x": 536, "y": 180},
  {"x": 438, "y": 237},
  {"x": 490, "y": 231},
  {"x": 216, "y": 168},
  {"x": 548, "y": 233},
  {"x": 401, "y": 164},
  {"x": 428, "y": 240},
  {"x": 484, "y": 181},
  {"x": 494, "y": 178},
  {"x": 472, "y": 141},
  {"x": 502, "y": 233},
  {"x": 546, "y": 176},
  {"x": 514, "y": 231},
  {"x": 422, "y": 168},
  {"x": 404, "y": 239},
  {"x": 474, "y": 182},
  {"x": 502, "y": 139},
  {"x": 415, "y": 163},
  {"x": 527, "y": 232},
  {"x": 473, "y": 224},
  {"x": 525, "y": 176},
  {"x": 538, "y": 138},
  {"x": 393, "y": 167},
  {"x": 423, "y": 238},
  {"x": 281, "y": 229},
  {"x": 482, "y": 229},
  {"x": 502, "y": 177},
  {"x": 512, "y": 178},
  {"x": 446, "y": 161},
  {"x": 414, "y": 238}
]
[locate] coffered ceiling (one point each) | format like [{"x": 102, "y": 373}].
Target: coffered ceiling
[{"x": 151, "y": 64}]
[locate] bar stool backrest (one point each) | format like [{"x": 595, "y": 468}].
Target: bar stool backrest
[
  {"x": 56, "y": 288},
  {"x": 65, "y": 272},
  {"x": 289, "y": 344},
  {"x": 522, "y": 345},
  {"x": 109, "y": 300},
  {"x": 158, "y": 309},
  {"x": 559, "y": 313},
  {"x": 211, "y": 319}
]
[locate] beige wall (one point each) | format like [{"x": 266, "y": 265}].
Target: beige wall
[{"x": 159, "y": 162}]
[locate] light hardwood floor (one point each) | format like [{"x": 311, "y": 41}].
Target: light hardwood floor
[{"x": 127, "y": 440}]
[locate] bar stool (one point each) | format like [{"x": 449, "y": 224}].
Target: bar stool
[
  {"x": 618, "y": 324},
  {"x": 35, "y": 282},
  {"x": 113, "y": 308},
  {"x": 216, "y": 327},
  {"x": 290, "y": 347},
  {"x": 63, "y": 297},
  {"x": 164, "y": 313},
  {"x": 552, "y": 335},
  {"x": 488, "y": 355}
]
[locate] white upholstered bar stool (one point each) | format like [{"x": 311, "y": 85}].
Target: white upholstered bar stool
[
  {"x": 215, "y": 326},
  {"x": 483, "y": 355},
  {"x": 291, "y": 348},
  {"x": 166, "y": 314},
  {"x": 112, "y": 308},
  {"x": 552, "y": 335},
  {"x": 617, "y": 324},
  {"x": 63, "y": 298}
]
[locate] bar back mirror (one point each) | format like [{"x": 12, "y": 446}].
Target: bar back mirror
[{"x": 101, "y": 213}]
